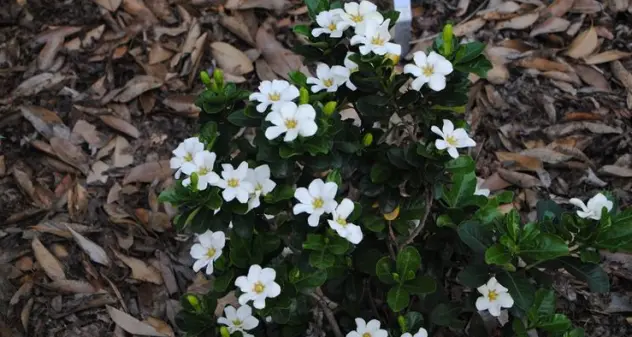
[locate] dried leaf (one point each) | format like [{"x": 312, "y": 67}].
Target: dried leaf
[
  {"x": 140, "y": 270},
  {"x": 231, "y": 59},
  {"x": 52, "y": 267},
  {"x": 276, "y": 5},
  {"x": 47, "y": 55},
  {"x": 546, "y": 155},
  {"x": 70, "y": 153},
  {"x": 147, "y": 172},
  {"x": 72, "y": 286},
  {"x": 25, "y": 314},
  {"x": 551, "y": 25},
  {"x": 469, "y": 27},
  {"x": 607, "y": 56},
  {"x": 182, "y": 104},
  {"x": 111, "y": 5},
  {"x": 160, "y": 326},
  {"x": 617, "y": 171},
  {"x": 584, "y": 44},
  {"x": 159, "y": 54},
  {"x": 519, "y": 179},
  {"x": 90, "y": 134},
  {"x": 114, "y": 194},
  {"x": 96, "y": 253},
  {"x": 500, "y": 12},
  {"x": 25, "y": 290},
  {"x": 587, "y": 6},
  {"x": 524, "y": 162},
  {"x": 131, "y": 324},
  {"x": 281, "y": 60},
  {"x": 45, "y": 121},
  {"x": 622, "y": 74},
  {"x": 122, "y": 150},
  {"x": 96, "y": 173},
  {"x": 461, "y": 7},
  {"x": 264, "y": 72},
  {"x": 77, "y": 201},
  {"x": 592, "y": 77},
  {"x": 120, "y": 125},
  {"x": 236, "y": 25},
  {"x": 559, "y": 7},
  {"x": 542, "y": 64},
  {"x": 136, "y": 86},
  {"x": 37, "y": 83},
  {"x": 519, "y": 22},
  {"x": 561, "y": 130}
]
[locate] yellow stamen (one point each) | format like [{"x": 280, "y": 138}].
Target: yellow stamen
[
  {"x": 237, "y": 322},
  {"x": 377, "y": 40},
  {"x": 232, "y": 182},
  {"x": 210, "y": 253},
  {"x": 318, "y": 203},
  {"x": 188, "y": 157},
  {"x": 342, "y": 222},
  {"x": 492, "y": 295},
  {"x": 328, "y": 82},
  {"x": 203, "y": 171},
  {"x": 275, "y": 96},
  {"x": 332, "y": 26},
  {"x": 366, "y": 334},
  {"x": 258, "y": 288},
  {"x": 291, "y": 123},
  {"x": 427, "y": 70},
  {"x": 357, "y": 18},
  {"x": 451, "y": 140}
]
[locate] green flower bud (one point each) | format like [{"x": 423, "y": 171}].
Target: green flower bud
[
  {"x": 330, "y": 108},
  {"x": 447, "y": 40},
  {"x": 367, "y": 139},
  {"x": 303, "y": 96},
  {"x": 205, "y": 78},
  {"x": 195, "y": 303},
  {"x": 218, "y": 76},
  {"x": 401, "y": 320},
  {"x": 224, "y": 332}
]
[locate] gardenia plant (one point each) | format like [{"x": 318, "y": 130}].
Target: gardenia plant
[{"x": 361, "y": 224}]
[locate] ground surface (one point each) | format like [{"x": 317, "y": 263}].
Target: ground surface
[{"x": 95, "y": 94}]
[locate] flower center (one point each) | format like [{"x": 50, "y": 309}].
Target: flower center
[
  {"x": 274, "y": 96},
  {"x": 290, "y": 123},
  {"x": 366, "y": 334},
  {"x": 202, "y": 171},
  {"x": 357, "y": 18},
  {"x": 258, "y": 187},
  {"x": 342, "y": 222},
  {"x": 318, "y": 203},
  {"x": 328, "y": 82},
  {"x": 237, "y": 323},
  {"x": 377, "y": 40},
  {"x": 492, "y": 295},
  {"x": 210, "y": 253},
  {"x": 258, "y": 288},
  {"x": 233, "y": 182},
  {"x": 427, "y": 70},
  {"x": 188, "y": 157},
  {"x": 451, "y": 140},
  {"x": 332, "y": 26}
]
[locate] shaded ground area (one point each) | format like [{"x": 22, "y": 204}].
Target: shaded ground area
[{"x": 95, "y": 94}]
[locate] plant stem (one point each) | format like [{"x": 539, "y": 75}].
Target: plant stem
[
  {"x": 322, "y": 301},
  {"x": 422, "y": 222},
  {"x": 392, "y": 242}
]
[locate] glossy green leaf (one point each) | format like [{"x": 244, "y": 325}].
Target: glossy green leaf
[
  {"x": 309, "y": 279},
  {"x": 408, "y": 262},
  {"x": 554, "y": 323},
  {"x": 314, "y": 242},
  {"x": 592, "y": 274},
  {"x": 384, "y": 270},
  {"x": 543, "y": 247},
  {"x": 461, "y": 165},
  {"x": 475, "y": 235},
  {"x": 461, "y": 190},
  {"x": 380, "y": 173},
  {"x": 544, "y": 303},
  {"x": 398, "y": 298},
  {"x": 619, "y": 234},
  {"x": 445, "y": 314},
  {"x": 223, "y": 281},
  {"x": 469, "y": 51},
  {"x": 474, "y": 275},
  {"x": 321, "y": 259},
  {"x": 421, "y": 285},
  {"x": 497, "y": 254},
  {"x": 240, "y": 118},
  {"x": 520, "y": 289}
]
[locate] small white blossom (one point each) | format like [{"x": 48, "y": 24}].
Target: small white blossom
[
  {"x": 352, "y": 66},
  {"x": 364, "y": 329},
  {"x": 292, "y": 120},
  {"x": 421, "y": 333},
  {"x": 329, "y": 79},
  {"x": 329, "y": 23},
  {"x": 347, "y": 230},
  {"x": 207, "y": 250},
  {"x": 257, "y": 286},
  {"x": 184, "y": 154},
  {"x": 452, "y": 139},
  {"x": 316, "y": 200},
  {"x": 203, "y": 167},
  {"x": 274, "y": 93},
  {"x": 431, "y": 69},
  {"x": 239, "y": 319},
  {"x": 495, "y": 297},
  {"x": 260, "y": 178},
  {"x": 357, "y": 14},
  {"x": 373, "y": 37},
  {"x": 235, "y": 184},
  {"x": 594, "y": 208},
  {"x": 481, "y": 191}
]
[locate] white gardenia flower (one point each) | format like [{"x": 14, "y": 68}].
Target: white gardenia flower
[
  {"x": 274, "y": 93},
  {"x": 235, "y": 184},
  {"x": 184, "y": 154},
  {"x": 293, "y": 120},
  {"x": 257, "y": 286},
  {"x": 364, "y": 329},
  {"x": 260, "y": 178},
  {"x": 373, "y": 37},
  {"x": 495, "y": 297},
  {"x": 357, "y": 14},
  {"x": 594, "y": 208},
  {"x": 421, "y": 333},
  {"x": 316, "y": 200},
  {"x": 203, "y": 167},
  {"x": 329, "y": 23},
  {"x": 239, "y": 319},
  {"x": 431, "y": 69},
  {"x": 452, "y": 139},
  {"x": 347, "y": 230},
  {"x": 481, "y": 191},
  {"x": 329, "y": 79},
  {"x": 207, "y": 250}
]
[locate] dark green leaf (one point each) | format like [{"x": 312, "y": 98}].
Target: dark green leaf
[
  {"x": 208, "y": 134},
  {"x": 475, "y": 235},
  {"x": 479, "y": 66},
  {"x": 240, "y": 118},
  {"x": 554, "y": 323},
  {"x": 544, "y": 303},
  {"x": 373, "y": 223},
  {"x": 543, "y": 247},
  {"x": 321, "y": 259},
  {"x": 408, "y": 262},
  {"x": 469, "y": 51},
  {"x": 590, "y": 256},
  {"x": 619, "y": 234},
  {"x": 337, "y": 245},
  {"x": 420, "y": 285},
  {"x": 314, "y": 242},
  {"x": 380, "y": 173},
  {"x": 414, "y": 321},
  {"x": 384, "y": 270},
  {"x": 497, "y": 254},
  {"x": 577, "y": 332},
  {"x": 266, "y": 242},
  {"x": 316, "y": 6},
  {"x": 222, "y": 282},
  {"x": 461, "y": 191},
  {"x": 372, "y": 105},
  {"x": 461, "y": 165},
  {"x": 335, "y": 177},
  {"x": 302, "y": 30},
  {"x": 308, "y": 279},
  {"x": 445, "y": 314},
  {"x": 592, "y": 274},
  {"x": 520, "y": 289},
  {"x": 548, "y": 209},
  {"x": 397, "y": 298},
  {"x": 243, "y": 225},
  {"x": 474, "y": 275},
  {"x": 240, "y": 251},
  {"x": 280, "y": 193}
]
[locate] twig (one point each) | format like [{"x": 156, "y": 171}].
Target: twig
[
  {"x": 392, "y": 242},
  {"x": 469, "y": 16},
  {"x": 322, "y": 301},
  {"x": 422, "y": 222}
]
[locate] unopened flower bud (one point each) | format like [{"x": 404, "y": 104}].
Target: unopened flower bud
[
  {"x": 224, "y": 332},
  {"x": 218, "y": 76},
  {"x": 447, "y": 40},
  {"x": 401, "y": 320},
  {"x": 303, "y": 96},
  {"x": 194, "y": 302},
  {"x": 330, "y": 108},
  {"x": 206, "y": 79},
  {"x": 393, "y": 57},
  {"x": 367, "y": 139}
]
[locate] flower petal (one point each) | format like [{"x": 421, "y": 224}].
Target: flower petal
[
  {"x": 420, "y": 58},
  {"x": 453, "y": 152},
  {"x": 313, "y": 219},
  {"x": 413, "y": 70},
  {"x": 437, "y": 82},
  {"x": 448, "y": 127},
  {"x": 199, "y": 264},
  {"x": 441, "y": 144},
  {"x": 273, "y": 289},
  {"x": 273, "y": 132},
  {"x": 267, "y": 275},
  {"x": 345, "y": 208}
]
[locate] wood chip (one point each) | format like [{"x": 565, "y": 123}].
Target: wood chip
[
  {"x": 147, "y": 172},
  {"x": 52, "y": 267},
  {"x": 140, "y": 270},
  {"x": 96, "y": 253},
  {"x": 120, "y": 125},
  {"x": 131, "y": 324},
  {"x": 617, "y": 171},
  {"x": 584, "y": 44}
]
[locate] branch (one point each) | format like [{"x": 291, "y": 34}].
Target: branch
[
  {"x": 322, "y": 301},
  {"x": 422, "y": 222}
]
